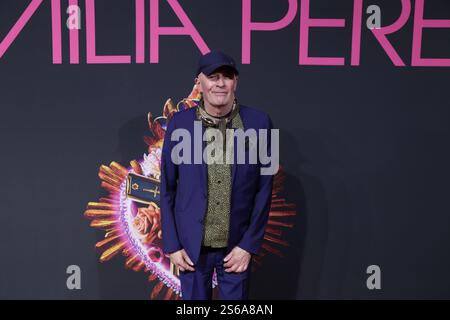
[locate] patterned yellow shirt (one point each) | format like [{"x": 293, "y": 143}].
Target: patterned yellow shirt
[{"x": 217, "y": 217}]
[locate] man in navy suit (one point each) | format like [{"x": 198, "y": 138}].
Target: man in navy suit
[{"x": 214, "y": 213}]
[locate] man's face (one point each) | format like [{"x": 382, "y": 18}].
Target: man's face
[{"x": 218, "y": 88}]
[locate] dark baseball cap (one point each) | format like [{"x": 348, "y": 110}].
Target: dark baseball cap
[{"x": 214, "y": 60}]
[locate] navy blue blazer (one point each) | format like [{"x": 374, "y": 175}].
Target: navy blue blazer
[{"x": 184, "y": 192}]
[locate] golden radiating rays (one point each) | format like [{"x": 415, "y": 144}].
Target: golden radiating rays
[
  {"x": 131, "y": 261},
  {"x": 136, "y": 167},
  {"x": 279, "y": 210},
  {"x": 107, "y": 241},
  {"x": 111, "y": 252},
  {"x": 104, "y": 215},
  {"x": 104, "y": 224}
]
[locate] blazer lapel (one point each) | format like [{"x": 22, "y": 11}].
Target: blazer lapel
[
  {"x": 202, "y": 167},
  {"x": 234, "y": 166}
]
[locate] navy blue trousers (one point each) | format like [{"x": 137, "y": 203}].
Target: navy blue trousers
[{"x": 197, "y": 285}]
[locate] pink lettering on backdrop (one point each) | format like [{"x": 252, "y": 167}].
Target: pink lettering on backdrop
[
  {"x": 74, "y": 39},
  {"x": 56, "y": 32},
  {"x": 18, "y": 26},
  {"x": 91, "y": 55},
  {"x": 248, "y": 26},
  {"x": 187, "y": 29},
  {"x": 380, "y": 34},
  {"x": 305, "y": 23},
  {"x": 356, "y": 32},
  {"x": 419, "y": 24},
  {"x": 140, "y": 33}
]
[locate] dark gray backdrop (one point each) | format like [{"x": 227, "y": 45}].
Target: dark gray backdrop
[{"x": 366, "y": 149}]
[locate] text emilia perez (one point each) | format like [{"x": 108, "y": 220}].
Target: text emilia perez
[{"x": 226, "y": 309}]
